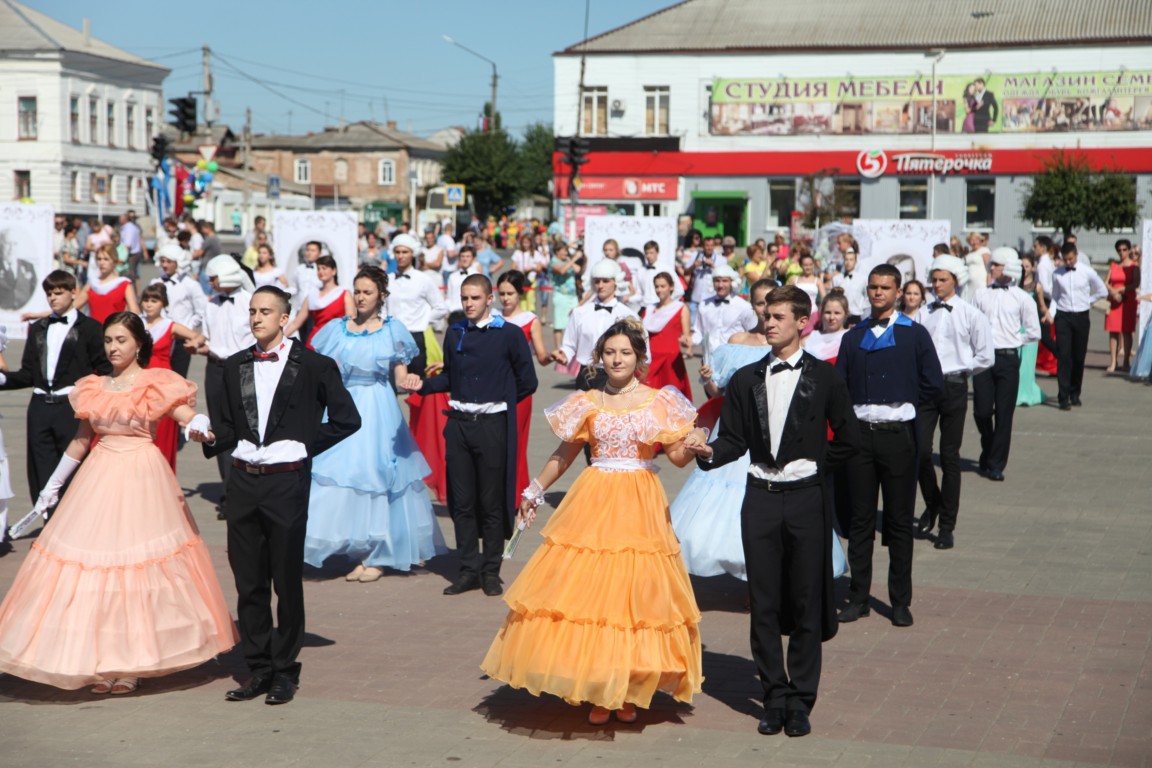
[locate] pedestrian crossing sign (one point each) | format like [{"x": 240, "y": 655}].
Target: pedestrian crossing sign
[{"x": 454, "y": 194}]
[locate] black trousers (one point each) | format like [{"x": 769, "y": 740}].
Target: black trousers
[
  {"x": 49, "y": 429},
  {"x": 417, "y": 364},
  {"x": 785, "y": 542},
  {"x": 949, "y": 413},
  {"x": 267, "y": 519},
  {"x": 476, "y": 454},
  {"x": 993, "y": 405},
  {"x": 214, "y": 394},
  {"x": 1047, "y": 340},
  {"x": 886, "y": 463},
  {"x": 181, "y": 358},
  {"x": 1071, "y": 348}
]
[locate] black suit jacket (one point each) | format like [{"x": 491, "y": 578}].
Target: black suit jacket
[
  {"x": 309, "y": 386},
  {"x": 820, "y": 400},
  {"x": 986, "y": 113},
  {"x": 81, "y": 354}
]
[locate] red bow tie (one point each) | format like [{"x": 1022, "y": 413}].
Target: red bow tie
[{"x": 268, "y": 356}]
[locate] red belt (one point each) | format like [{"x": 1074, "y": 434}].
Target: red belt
[{"x": 267, "y": 469}]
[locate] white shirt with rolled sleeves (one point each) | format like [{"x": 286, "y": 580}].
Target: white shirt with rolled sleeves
[
  {"x": 187, "y": 303},
  {"x": 718, "y": 320},
  {"x": 1076, "y": 289},
  {"x": 414, "y": 298},
  {"x": 962, "y": 336},
  {"x": 587, "y": 324},
  {"x": 1012, "y": 313}
]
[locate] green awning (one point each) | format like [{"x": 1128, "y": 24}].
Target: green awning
[{"x": 708, "y": 195}]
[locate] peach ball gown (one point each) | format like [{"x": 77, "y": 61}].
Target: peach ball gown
[
  {"x": 603, "y": 612},
  {"x": 119, "y": 583}
]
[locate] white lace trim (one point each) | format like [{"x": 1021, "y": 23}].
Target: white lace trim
[{"x": 625, "y": 465}]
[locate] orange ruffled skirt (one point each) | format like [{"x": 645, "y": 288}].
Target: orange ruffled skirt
[
  {"x": 603, "y": 612},
  {"x": 119, "y": 584}
]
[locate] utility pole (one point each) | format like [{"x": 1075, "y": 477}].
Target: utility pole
[
  {"x": 247, "y": 165},
  {"x": 209, "y": 108},
  {"x": 574, "y": 178}
]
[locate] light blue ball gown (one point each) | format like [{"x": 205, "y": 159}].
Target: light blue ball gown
[
  {"x": 368, "y": 500},
  {"x": 1142, "y": 365}
]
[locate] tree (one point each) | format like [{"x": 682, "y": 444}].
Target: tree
[
  {"x": 536, "y": 159},
  {"x": 1071, "y": 195},
  {"x": 488, "y": 163}
]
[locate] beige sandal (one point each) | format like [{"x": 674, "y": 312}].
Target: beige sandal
[
  {"x": 355, "y": 574},
  {"x": 102, "y": 687},
  {"x": 125, "y": 685},
  {"x": 371, "y": 574}
]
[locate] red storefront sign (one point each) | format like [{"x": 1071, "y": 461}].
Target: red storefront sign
[{"x": 624, "y": 187}]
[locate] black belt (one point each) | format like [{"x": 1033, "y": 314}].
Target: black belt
[
  {"x": 773, "y": 486},
  {"x": 1008, "y": 352},
  {"x": 885, "y": 426},
  {"x": 217, "y": 361},
  {"x": 51, "y": 399},
  {"x": 464, "y": 416},
  {"x": 268, "y": 469},
  {"x": 958, "y": 377}
]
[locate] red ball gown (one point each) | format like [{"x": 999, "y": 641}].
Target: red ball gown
[
  {"x": 107, "y": 298},
  {"x": 324, "y": 309},
  {"x": 167, "y": 430},
  {"x": 664, "y": 330}
]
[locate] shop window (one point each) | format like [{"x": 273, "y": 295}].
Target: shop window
[
  {"x": 846, "y": 196},
  {"x": 595, "y": 111},
  {"x": 913, "y": 198},
  {"x": 781, "y": 203},
  {"x": 27, "y": 108},
  {"x": 980, "y": 209},
  {"x": 302, "y": 172},
  {"x": 656, "y": 111},
  {"x": 23, "y": 184}
]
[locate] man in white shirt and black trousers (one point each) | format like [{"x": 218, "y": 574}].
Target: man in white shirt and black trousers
[
  {"x": 1015, "y": 322},
  {"x": 187, "y": 303},
  {"x": 780, "y": 409},
  {"x": 589, "y": 321},
  {"x": 963, "y": 340},
  {"x": 722, "y": 315},
  {"x": 1074, "y": 290},
  {"x": 283, "y": 404},
  {"x": 414, "y": 297}
]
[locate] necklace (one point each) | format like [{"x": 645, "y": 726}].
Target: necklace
[
  {"x": 629, "y": 387},
  {"x": 115, "y": 384}
]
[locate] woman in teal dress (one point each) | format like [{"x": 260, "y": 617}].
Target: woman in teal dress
[{"x": 1029, "y": 392}]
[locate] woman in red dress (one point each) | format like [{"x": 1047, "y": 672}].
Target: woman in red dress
[
  {"x": 427, "y": 419},
  {"x": 1123, "y": 287},
  {"x": 153, "y": 302},
  {"x": 669, "y": 336},
  {"x": 510, "y": 289},
  {"x": 324, "y": 304},
  {"x": 107, "y": 293}
]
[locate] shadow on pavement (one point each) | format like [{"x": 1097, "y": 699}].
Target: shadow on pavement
[
  {"x": 549, "y": 718},
  {"x": 14, "y": 689},
  {"x": 733, "y": 681}
]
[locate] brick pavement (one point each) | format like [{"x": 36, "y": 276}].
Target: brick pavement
[{"x": 1031, "y": 645}]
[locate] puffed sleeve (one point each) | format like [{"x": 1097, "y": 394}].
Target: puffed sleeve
[
  {"x": 327, "y": 339},
  {"x": 85, "y": 394},
  {"x": 404, "y": 348},
  {"x": 166, "y": 391},
  {"x": 669, "y": 418},
  {"x": 571, "y": 418}
]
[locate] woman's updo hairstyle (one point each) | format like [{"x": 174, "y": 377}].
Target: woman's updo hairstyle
[
  {"x": 135, "y": 326},
  {"x": 633, "y": 329},
  {"x": 514, "y": 278}
]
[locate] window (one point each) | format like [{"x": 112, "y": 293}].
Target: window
[
  {"x": 652, "y": 209},
  {"x": 595, "y": 112},
  {"x": 77, "y": 189},
  {"x": 781, "y": 203},
  {"x": 149, "y": 124},
  {"x": 111, "y": 124},
  {"x": 386, "y": 173},
  {"x": 847, "y": 199},
  {"x": 27, "y": 110},
  {"x": 656, "y": 111},
  {"x": 132, "y": 190},
  {"x": 23, "y": 185},
  {"x": 74, "y": 118},
  {"x": 913, "y": 198},
  {"x": 130, "y": 125},
  {"x": 93, "y": 120},
  {"x": 980, "y": 211},
  {"x": 113, "y": 181},
  {"x": 340, "y": 170},
  {"x": 302, "y": 171}
]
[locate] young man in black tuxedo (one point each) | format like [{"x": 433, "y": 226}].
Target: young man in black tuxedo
[
  {"x": 779, "y": 409},
  {"x": 275, "y": 397},
  {"x": 62, "y": 348}
]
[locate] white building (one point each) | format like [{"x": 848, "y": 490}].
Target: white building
[
  {"x": 734, "y": 110},
  {"x": 77, "y": 116}
]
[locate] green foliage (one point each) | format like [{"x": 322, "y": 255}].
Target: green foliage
[
  {"x": 536, "y": 158},
  {"x": 499, "y": 170},
  {"x": 1071, "y": 195}
]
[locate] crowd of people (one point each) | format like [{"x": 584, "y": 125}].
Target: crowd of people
[{"x": 825, "y": 391}]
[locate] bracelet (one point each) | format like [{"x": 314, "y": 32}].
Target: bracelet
[{"x": 534, "y": 494}]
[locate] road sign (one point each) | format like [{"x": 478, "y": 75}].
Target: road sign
[
  {"x": 207, "y": 151},
  {"x": 274, "y": 187},
  {"x": 454, "y": 194}
]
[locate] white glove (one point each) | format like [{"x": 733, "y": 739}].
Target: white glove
[
  {"x": 50, "y": 496},
  {"x": 198, "y": 423}
]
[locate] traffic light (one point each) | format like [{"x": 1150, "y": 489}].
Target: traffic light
[
  {"x": 577, "y": 152},
  {"x": 160, "y": 148},
  {"x": 184, "y": 113}
]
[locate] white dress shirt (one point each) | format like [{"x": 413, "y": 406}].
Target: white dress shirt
[
  {"x": 718, "y": 320},
  {"x": 1012, "y": 313},
  {"x": 1045, "y": 268},
  {"x": 304, "y": 279},
  {"x": 781, "y": 386},
  {"x": 1076, "y": 289},
  {"x": 646, "y": 284},
  {"x": 855, "y": 286},
  {"x": 587, "y": 324},
  {"x": 962, "y": 336},
  {"x": 455, "y": 281},
  {"x": 187, "y": 303},
  {"x": 226, "y": 324},
  {"x": 415, "y": 300},
  {"x": 53, "y": 343},
  {"x": 267, "y": 377}
]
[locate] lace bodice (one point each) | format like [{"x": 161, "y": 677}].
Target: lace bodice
[{"x": 622, "y": 434}]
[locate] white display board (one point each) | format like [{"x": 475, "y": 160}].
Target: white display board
[
  {"x": 904, "y": 243},
  {"x": 630, "y": 233},
  {"x": 25, "y": 259},
  {"x": 334, "y": 230}
]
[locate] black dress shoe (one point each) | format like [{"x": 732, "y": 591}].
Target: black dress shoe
[
  {"x": 797, "y": 723},
  {"x": 283, "y": 690},
  {"x": 1076, "y": 402},
  {"x": 1065, "y": 407},
  {"x": 772, "y": 722},
  {"x": 462, "y": 584},
  {"x": 944, "y": 540},
  {"x": 853, "y": 611},
  {"x": 928, "y": 520},
  {"x": 901, "y": 616},
  {"x": 492, "y": 586},
  {"x": 995, "y": 475},
  {"x": 257, "y": 686}
]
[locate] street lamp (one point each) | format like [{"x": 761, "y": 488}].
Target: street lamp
[{"x": 492, "y": 117}]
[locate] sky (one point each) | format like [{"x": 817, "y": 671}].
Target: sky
[{"x": 301, "y": 64}]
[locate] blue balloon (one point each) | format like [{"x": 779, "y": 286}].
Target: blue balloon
[{"x": 207, "y": 176}]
